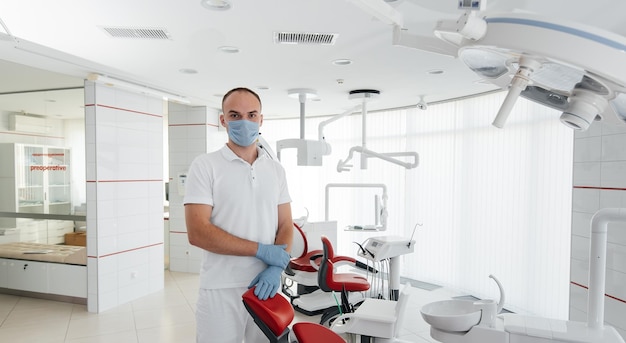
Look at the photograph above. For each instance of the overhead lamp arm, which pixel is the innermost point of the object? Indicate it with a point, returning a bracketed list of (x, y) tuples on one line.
[(7, 32), (320, 127), (343, 165)]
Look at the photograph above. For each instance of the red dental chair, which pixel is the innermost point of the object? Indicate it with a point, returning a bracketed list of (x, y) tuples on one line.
[(330, 280), (274, 315), (303, 269)]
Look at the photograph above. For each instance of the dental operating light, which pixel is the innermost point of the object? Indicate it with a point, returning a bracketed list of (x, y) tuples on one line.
[(576, 69)]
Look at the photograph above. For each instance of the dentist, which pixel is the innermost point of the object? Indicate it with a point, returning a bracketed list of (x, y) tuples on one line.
[(237, 209)]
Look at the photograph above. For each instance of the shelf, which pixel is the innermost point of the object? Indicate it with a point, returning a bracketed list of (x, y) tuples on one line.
[(31, 205)]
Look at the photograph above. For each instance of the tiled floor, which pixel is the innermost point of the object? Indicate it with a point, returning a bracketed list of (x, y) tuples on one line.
[(165, 316)]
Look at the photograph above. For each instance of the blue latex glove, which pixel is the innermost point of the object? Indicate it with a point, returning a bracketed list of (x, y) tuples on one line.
[(273, 255), (267, 282)]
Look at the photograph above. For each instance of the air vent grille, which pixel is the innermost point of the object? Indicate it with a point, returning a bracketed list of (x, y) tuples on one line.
[(137, 32), (305, 38)]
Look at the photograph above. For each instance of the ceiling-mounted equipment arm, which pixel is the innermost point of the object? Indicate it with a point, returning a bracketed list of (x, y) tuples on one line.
[(402, 37), (320, 127), (310, 152), (343, 165), (380, 10)]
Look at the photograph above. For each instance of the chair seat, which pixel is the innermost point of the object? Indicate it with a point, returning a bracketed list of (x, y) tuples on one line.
[(352, 282), (315, 333), (303, 263)]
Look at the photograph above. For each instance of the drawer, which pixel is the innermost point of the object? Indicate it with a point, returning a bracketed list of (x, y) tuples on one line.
[(56, 239), (59, 232), (28, 276), (60, 225)]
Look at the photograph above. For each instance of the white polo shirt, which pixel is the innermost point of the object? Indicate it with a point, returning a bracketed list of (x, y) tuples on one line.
[(245, 201)]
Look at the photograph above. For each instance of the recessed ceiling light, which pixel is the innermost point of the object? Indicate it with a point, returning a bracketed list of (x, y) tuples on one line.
[(229, 49), (216, 5), (435, 72), (342, 62), (263, 88), (188, 71)]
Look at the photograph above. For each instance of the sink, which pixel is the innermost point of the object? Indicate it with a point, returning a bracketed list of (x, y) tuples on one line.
[(451, 315)]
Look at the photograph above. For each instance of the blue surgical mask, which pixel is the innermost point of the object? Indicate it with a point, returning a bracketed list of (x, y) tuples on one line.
[(243, 132)]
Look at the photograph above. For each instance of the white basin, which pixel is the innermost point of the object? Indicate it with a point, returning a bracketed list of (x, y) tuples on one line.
[(451, 315)]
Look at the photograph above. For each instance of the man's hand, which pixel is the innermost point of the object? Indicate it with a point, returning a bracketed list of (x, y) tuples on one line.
[(273, 255), (267, 283)]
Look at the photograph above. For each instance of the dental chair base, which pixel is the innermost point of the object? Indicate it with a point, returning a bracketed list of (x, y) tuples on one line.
[(376, 320), (319, 301), (515, 328)]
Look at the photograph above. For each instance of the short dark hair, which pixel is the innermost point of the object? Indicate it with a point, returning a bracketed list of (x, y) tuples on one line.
[(241, 89)]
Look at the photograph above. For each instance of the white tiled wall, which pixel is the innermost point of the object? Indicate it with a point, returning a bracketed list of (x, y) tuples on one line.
[(599, 182), (192, 131), (124, 144)]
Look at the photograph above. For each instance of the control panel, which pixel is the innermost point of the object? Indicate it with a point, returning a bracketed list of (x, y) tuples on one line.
[(384, 247)]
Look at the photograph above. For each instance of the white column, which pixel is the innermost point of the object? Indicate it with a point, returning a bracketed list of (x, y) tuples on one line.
[(124, 157)]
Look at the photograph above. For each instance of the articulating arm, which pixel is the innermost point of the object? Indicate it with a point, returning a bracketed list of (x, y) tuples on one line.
[(344, 166)]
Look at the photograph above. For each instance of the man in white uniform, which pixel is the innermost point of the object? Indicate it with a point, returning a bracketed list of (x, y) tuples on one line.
[(237, 209)]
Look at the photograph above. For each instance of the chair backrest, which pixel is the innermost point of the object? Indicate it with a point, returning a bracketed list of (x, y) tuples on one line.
[(273, 315), (299, 245), (324, 274), (327, 247)]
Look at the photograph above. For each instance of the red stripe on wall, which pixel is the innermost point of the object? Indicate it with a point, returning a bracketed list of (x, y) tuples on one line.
[(148, 180), (126, 110), (205, 124), (29, 134), (125, 251), (601, 188), (607, 295)]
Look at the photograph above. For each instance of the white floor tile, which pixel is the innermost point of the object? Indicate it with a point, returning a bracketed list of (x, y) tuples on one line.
[(165, 316), (129, 336)]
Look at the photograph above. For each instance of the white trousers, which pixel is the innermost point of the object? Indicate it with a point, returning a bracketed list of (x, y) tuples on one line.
[(221, 317)]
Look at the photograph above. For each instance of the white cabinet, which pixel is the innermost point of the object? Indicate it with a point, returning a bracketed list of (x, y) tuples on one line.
[(184, 257), (66, 279), (44, 277), (35, 179), (56, 230), (4, 273)]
